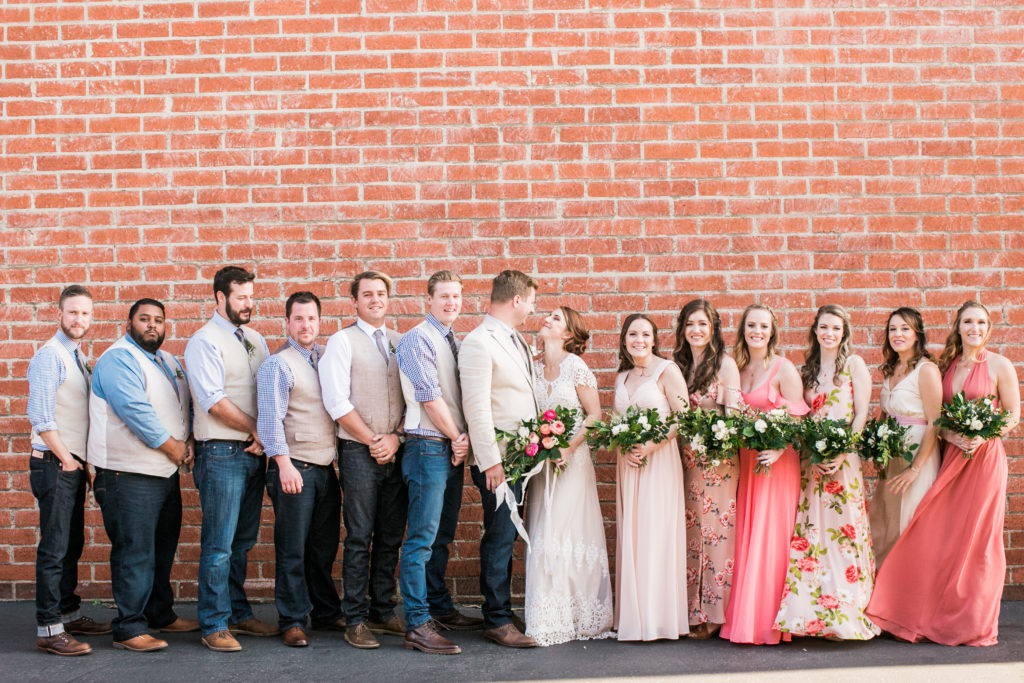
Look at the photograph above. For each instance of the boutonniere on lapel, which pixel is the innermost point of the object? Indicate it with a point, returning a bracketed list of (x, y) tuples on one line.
[(179, 374), (391, 348), (88, 366), (249, 348)]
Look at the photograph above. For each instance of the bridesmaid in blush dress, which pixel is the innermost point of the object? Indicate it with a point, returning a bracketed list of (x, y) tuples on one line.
[(650, 546), (714, 384), (944, 577), (912, 394), (766, 502)]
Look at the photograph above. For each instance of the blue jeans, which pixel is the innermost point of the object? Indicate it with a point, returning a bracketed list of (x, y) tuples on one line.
[(142, 517), (230, 484), (495, 555), (435, 496), (307, 527), (374, 509), (61, 497)]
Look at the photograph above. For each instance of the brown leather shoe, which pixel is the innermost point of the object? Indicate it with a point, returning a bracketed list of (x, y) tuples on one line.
[(518, 623), (221, 641), (254, 627), (180, 625), (141, 643), (62, 644), (85, 626), (361, 637), (336, 625), (457, 621), (425, 638), (509, 636), (295, 637), (393, 626)]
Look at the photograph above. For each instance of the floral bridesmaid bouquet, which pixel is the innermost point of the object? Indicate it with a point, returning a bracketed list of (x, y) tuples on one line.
[(625, 430), (823, 439), (713, 438), (973, 417), (766, 431), (535, 440), (883, 441)]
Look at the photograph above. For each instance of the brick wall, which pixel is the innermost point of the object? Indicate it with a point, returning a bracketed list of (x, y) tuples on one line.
[(632, 153)]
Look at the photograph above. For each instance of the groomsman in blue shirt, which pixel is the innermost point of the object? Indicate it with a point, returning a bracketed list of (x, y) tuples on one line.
[(140, 419), (297, 434), (58, 408)]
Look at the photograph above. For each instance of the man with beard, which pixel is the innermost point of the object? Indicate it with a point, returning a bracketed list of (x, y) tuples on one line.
[(58, 408), (363, 393), (298, 435), (222, 359), (140, 423)]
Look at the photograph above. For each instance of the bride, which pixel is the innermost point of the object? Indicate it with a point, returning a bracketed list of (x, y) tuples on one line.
[(568, 589)]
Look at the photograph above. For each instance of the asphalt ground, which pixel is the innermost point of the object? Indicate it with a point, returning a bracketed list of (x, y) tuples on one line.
[(330, 658)]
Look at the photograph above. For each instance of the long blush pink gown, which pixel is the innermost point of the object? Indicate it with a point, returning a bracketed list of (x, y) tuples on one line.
[(765, 515), (944, 576)]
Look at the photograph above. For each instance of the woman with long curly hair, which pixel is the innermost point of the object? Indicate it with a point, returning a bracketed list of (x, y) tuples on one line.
[(944, 577)]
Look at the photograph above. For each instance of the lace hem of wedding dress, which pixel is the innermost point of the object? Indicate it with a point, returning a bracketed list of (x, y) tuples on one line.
[(552, 620)]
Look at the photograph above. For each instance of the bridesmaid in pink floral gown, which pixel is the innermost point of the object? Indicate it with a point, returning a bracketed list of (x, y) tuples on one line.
[(944, 577), (766, 502), (714, 383), (831, 571)]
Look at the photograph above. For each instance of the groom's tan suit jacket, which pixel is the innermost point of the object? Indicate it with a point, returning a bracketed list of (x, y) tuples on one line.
[(497, 388)]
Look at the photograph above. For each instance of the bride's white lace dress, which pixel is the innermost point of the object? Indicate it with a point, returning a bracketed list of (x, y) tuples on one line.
[(568, 588)]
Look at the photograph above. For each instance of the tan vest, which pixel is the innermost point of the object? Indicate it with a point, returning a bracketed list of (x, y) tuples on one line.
[(415, 416), (112, 445), (308, 427), (71, 411), (375, 390), (239, 382)]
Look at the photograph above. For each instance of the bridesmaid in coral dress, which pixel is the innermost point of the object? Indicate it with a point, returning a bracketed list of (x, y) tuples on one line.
[(766, 502), (714, 383), (944, 577), (650, 546), (912, 394)]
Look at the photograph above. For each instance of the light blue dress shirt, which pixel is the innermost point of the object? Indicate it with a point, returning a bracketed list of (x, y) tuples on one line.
[(206, 366)]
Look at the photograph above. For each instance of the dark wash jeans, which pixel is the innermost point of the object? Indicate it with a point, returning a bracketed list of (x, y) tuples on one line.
[(374, 509), (435, 496), (142, 516), (495, 554), (61, 497), (307, 529), (230, 484)]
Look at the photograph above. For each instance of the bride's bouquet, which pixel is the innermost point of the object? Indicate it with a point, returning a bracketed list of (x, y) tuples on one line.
[(535, 440), (713, 438), (625, 430), (883, 441), (766, 431), (823, 439), (973, 417)]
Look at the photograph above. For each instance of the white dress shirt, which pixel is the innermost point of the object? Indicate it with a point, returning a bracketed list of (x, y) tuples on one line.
[(336, 370)]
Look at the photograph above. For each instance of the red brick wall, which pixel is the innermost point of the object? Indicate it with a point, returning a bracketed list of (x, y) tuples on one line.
[(631, 153)]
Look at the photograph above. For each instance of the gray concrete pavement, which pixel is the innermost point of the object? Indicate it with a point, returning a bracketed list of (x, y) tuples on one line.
[(329, 658)]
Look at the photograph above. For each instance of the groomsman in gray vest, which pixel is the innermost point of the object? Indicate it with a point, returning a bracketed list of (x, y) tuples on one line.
[(140, 415), (436, 447), (222, 358), (298, 436), (58, 408), (363, 393)]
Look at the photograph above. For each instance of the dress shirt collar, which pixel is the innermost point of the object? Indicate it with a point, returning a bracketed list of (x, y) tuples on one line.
[(370, 329), (304, 352), (438, 325), (66, 342), (220, 320), (508, 330), (136, 345)]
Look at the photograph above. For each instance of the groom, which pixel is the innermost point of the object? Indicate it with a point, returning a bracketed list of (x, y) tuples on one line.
[(497, 391)]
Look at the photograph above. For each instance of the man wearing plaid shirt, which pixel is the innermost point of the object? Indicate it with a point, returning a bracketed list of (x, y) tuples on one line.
[(297, 434), (435, 450)]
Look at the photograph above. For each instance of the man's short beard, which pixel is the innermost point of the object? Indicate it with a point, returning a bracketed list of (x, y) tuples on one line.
[(234, 314), (150, 346), (67, 333)]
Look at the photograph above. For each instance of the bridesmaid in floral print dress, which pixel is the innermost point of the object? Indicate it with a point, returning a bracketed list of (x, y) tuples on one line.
[(714, 381), (831, 568)]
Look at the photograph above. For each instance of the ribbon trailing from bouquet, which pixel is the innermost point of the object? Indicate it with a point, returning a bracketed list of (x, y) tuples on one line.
[(504, 494)]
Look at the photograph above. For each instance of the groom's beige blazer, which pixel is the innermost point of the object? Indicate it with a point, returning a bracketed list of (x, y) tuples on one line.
[(497, 388)]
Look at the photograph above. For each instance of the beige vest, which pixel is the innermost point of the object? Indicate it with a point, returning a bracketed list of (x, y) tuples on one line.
[(415, 416), (375, 390), (71, 411), (112, 445), (240, 370), (308, 427)]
